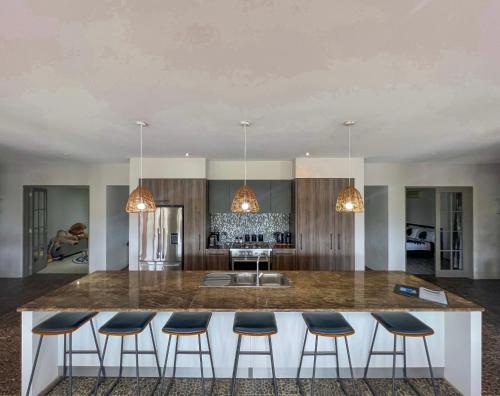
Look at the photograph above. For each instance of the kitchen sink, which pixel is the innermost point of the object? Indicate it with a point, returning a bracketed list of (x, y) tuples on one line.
[(244, 279)]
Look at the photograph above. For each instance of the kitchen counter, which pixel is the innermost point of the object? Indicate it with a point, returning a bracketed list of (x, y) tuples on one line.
[(179, 291), (455, 348)]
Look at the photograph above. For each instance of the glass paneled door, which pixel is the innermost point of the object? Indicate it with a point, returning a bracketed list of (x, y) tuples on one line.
[(454, 232), (37, 229)]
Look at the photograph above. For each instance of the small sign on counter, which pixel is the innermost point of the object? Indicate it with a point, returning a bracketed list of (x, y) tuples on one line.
[(437, 296)]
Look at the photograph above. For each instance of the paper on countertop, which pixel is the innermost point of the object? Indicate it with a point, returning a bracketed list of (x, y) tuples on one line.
[(437, 296)]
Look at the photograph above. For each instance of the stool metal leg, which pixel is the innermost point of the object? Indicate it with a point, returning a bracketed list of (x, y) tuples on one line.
[(302, 356), (103, 371), (435, 388), (175, 355), (350, 365), (201, 366), (137, 365), (275, 381), (70, 363), (165, 365), (404, 357), (371, 350), (64, 359), (154, 349), (101, 365), (337, 368), (121, 358), (394, 367), (314, 365), (210, 354), (34, 365), (235, 368)]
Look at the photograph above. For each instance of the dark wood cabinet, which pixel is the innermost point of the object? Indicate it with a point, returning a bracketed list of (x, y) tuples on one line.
[(219, 199), (284, 260), (274, 196), (217, 260), (191, 194), (324, 237), (281, 196)]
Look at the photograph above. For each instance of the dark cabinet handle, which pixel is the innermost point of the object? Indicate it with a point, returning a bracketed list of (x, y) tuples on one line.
[(338, 241), (331, 241), (199, 242), (300, 241)]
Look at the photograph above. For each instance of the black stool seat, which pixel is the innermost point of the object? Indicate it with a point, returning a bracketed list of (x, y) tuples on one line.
[(255, 323), (403, 324), (63, 323), (187, 323), (127, 323), (330, 324)]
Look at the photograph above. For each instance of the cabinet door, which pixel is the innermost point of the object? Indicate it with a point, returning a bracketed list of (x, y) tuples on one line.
[(195, 201), (304, 223), (217, 260), (166, 191), (218, 196), (284, 260), (281, 196), (343, 229), (262, 189), (323, 224)]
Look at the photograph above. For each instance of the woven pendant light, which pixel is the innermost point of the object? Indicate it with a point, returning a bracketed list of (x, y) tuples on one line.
[(245, 200), (140, 199), (349, 199)]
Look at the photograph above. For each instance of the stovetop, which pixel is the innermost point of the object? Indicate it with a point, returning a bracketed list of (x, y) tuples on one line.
[(250, 245)]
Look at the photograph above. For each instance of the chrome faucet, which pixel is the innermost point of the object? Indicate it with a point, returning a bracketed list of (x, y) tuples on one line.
[(259, 274)]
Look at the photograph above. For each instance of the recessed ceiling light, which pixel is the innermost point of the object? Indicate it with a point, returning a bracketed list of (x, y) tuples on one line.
[(308, 154), (186, 155)]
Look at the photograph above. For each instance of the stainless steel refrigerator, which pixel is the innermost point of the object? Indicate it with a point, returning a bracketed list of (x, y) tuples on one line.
[(161, 239)]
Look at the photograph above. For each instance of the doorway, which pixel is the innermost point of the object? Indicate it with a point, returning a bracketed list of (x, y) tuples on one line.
[(439, 231), (420, 231), (56, 237)]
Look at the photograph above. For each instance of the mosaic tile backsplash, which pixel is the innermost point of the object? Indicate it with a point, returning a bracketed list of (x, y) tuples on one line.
[(232, 225)]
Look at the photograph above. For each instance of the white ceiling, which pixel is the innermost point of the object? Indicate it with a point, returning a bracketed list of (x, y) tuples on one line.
[(421, 77)]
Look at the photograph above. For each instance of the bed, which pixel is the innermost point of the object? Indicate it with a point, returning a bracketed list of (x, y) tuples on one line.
[(420, 239)]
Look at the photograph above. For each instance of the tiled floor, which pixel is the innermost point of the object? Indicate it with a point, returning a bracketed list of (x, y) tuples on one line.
[(14, 292), (286, 387), (66, 266), (420, 265)]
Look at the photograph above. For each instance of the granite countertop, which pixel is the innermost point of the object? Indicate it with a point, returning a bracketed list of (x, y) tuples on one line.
[(179, 291)]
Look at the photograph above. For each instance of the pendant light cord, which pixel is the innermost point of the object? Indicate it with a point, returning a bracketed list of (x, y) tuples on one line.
[(349, 156), (245, 153), (140, 180)]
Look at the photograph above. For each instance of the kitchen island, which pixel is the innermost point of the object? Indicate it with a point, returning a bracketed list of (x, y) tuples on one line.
[(455, 347)]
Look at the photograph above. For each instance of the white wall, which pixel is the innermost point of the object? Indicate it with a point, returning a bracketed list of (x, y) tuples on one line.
[(15, 175), (485, 182), (65, 207), (256, 170), (421, 209), (116, 227), (339, 168), (376, 227)]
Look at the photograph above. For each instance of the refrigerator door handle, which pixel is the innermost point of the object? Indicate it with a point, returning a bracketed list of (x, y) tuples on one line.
[(164, 244)]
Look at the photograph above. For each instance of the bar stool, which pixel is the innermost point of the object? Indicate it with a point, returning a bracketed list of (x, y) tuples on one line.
[(129, 324), (326, 324), (65, 323), (187, 324), (254, 324), (405, 325)]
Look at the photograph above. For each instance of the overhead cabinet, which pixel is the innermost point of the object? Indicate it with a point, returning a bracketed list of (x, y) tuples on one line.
[(324, 237), (274, 196), (192, 195)]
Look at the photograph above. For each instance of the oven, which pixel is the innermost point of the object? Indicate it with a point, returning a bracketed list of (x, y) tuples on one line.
[(245, 259)]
